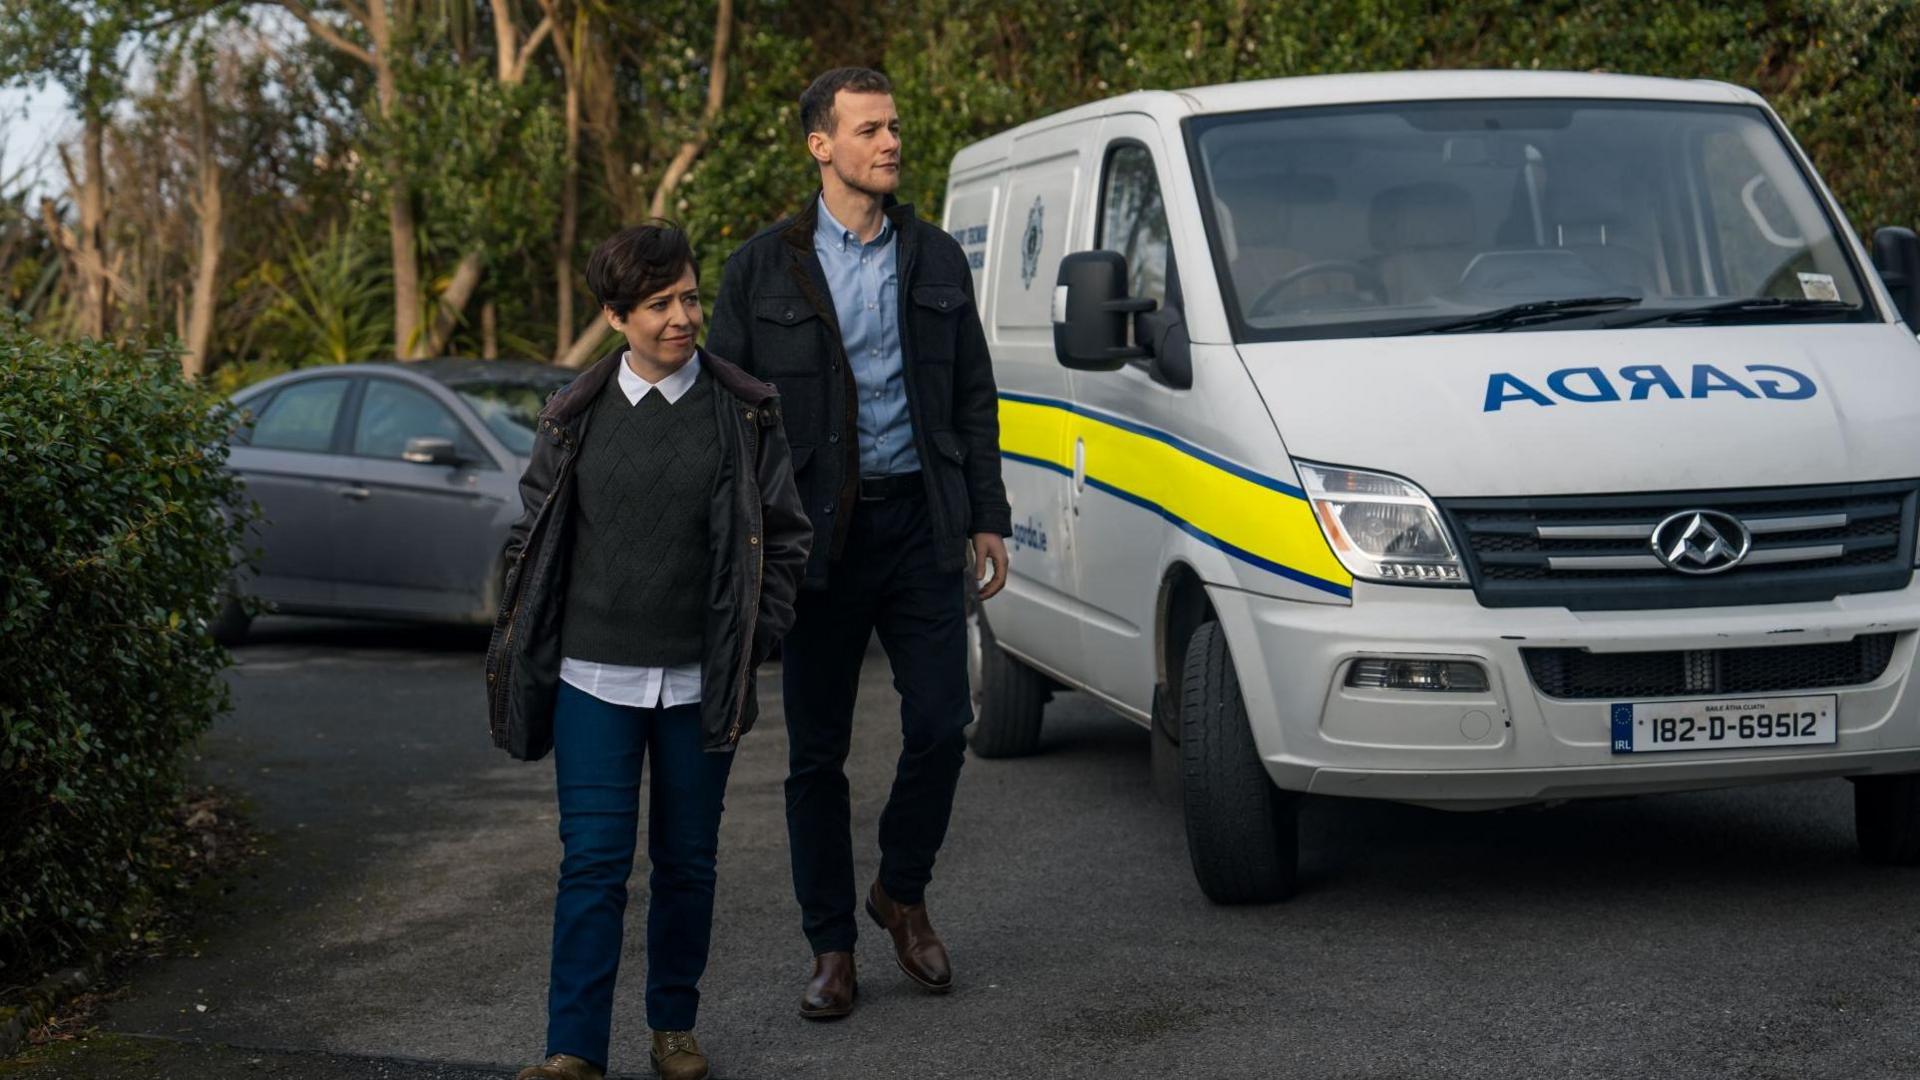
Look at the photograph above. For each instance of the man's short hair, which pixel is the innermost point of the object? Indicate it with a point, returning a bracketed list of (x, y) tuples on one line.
[(816, 101), (635, 263)]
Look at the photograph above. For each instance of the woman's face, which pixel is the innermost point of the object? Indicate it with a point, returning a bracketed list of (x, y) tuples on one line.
[(662, 327)]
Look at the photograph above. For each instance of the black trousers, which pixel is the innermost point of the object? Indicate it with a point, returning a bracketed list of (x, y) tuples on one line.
[(886, 581)]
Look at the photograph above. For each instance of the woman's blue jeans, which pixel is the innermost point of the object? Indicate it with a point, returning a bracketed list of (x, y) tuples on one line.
[(598, 750)]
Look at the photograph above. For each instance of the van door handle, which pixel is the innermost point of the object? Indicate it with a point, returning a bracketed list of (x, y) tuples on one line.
[(1079, 465), (357, 494)]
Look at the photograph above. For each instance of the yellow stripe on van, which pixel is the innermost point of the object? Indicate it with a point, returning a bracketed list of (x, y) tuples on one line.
[(1260, 520)]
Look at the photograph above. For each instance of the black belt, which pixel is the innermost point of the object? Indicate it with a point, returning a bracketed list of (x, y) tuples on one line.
[(900, 486)]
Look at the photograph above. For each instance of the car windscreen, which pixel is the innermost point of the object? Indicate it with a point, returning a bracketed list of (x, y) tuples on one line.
[(511, 410), (1385, 219)]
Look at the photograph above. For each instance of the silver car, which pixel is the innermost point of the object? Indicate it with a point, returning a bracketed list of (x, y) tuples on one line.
[(386, 489)]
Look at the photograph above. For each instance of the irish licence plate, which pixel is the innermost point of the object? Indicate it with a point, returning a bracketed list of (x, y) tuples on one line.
[(1650, 726)]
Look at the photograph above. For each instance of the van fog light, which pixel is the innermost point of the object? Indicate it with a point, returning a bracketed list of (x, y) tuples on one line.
[(1446, 676)]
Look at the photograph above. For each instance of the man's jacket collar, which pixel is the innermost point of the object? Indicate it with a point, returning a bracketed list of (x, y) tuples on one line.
[(800, 233)]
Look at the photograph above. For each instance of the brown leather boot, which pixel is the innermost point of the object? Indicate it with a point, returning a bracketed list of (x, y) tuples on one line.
[(561, 1067), (915, 945), (831, 991), (677, 1056)]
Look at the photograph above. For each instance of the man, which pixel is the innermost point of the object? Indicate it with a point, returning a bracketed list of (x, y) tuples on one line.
[(653, 568), (862, 315)]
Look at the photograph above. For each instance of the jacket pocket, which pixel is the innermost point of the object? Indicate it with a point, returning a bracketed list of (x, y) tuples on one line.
[(951, 480), (787, 336), (936, 321)]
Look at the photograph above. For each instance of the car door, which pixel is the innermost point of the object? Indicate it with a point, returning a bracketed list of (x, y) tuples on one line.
[(415, 539), (1123, 418), (288, 462)]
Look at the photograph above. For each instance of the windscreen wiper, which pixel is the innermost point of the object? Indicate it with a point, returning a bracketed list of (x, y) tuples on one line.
[(1750, 309), (1537, 311)]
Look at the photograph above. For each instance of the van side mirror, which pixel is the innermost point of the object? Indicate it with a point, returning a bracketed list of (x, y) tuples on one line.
[(1090, 330), (1896, 254), (428, 450)]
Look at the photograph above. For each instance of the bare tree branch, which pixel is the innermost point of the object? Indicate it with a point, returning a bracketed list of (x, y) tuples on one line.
[(327, 33), (716, 97), (453, 302), (594, 337), (532, 45)]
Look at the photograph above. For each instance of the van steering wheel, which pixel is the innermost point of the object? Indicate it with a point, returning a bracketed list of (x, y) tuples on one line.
[(1365, 278)]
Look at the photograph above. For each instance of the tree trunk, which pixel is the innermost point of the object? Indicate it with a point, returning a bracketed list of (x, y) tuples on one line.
[(569, 190), (402, 233), (208, 207), (92, 239), (489, 331)]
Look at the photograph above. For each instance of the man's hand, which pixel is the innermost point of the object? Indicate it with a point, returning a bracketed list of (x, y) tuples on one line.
[(989, 546)]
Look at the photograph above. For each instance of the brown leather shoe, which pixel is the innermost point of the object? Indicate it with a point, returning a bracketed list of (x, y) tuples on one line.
[(915, 945), (677, 1056), (831, 991), (561, 1067)]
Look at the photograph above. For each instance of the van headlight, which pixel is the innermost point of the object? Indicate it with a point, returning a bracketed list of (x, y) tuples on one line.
[(1381, 527)]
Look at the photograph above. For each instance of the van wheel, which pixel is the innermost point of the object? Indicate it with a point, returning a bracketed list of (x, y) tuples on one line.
[(229, 628), (1242, 831), (1886, 818), (1008, 696)]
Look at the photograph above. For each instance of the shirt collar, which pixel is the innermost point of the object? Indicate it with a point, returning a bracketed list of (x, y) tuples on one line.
[(671, 387), (830, 233)]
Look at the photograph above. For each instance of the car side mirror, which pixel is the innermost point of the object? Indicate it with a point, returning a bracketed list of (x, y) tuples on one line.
[(1896, 254), (431, 450), (1092, 310)]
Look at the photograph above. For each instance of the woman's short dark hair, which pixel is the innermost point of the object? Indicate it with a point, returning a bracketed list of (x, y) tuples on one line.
[(816, 101), (635, 263)]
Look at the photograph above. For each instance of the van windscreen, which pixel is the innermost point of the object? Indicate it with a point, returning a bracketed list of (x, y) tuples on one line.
[(1407, 217)]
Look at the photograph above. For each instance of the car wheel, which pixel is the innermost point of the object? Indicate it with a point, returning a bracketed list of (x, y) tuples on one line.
[(1008, 696), (1886, 818), (1242, 831), (229, 628)]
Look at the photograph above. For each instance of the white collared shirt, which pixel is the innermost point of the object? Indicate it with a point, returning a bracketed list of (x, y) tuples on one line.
[(624, 684)]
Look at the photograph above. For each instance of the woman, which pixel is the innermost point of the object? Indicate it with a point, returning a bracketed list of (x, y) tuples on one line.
[(652, 570)]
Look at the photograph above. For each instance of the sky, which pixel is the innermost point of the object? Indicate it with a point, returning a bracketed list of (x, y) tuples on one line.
[(33, 121)]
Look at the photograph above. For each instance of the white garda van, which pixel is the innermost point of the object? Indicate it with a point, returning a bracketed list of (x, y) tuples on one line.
[(1463, 439)]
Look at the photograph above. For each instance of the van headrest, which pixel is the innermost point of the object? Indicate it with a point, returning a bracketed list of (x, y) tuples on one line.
[(1425, 215)]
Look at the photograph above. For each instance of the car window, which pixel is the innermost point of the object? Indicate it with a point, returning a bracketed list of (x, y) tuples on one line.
[(510, 410), (1133, 219), (300, 417), (391, 412)]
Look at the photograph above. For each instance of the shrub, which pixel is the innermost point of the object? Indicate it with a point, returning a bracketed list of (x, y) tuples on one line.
[(119, 531)]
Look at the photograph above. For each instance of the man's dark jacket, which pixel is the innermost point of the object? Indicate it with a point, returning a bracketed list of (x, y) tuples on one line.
[(775, 317), (759, 538)]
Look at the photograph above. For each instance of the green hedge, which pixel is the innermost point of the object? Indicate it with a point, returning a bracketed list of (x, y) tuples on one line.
[(119, 530)]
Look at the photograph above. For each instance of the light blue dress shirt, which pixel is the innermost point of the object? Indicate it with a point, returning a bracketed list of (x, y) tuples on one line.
[(865, 282)]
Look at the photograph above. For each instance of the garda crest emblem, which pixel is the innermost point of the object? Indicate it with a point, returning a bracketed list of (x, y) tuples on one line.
[(1030, 243)]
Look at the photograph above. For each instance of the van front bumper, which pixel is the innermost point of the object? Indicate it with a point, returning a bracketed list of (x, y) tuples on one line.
[(1513, 744)]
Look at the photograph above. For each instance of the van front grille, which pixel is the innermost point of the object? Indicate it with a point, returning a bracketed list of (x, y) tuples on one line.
[(1580, 674), (1594, 552)]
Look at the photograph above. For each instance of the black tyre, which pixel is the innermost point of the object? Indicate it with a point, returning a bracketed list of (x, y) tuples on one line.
[(229, 628), (1886, 819), (1008, 696), (1242, 831)]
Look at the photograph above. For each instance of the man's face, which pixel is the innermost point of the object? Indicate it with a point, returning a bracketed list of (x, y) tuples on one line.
[(662, 327), (863, 149)]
